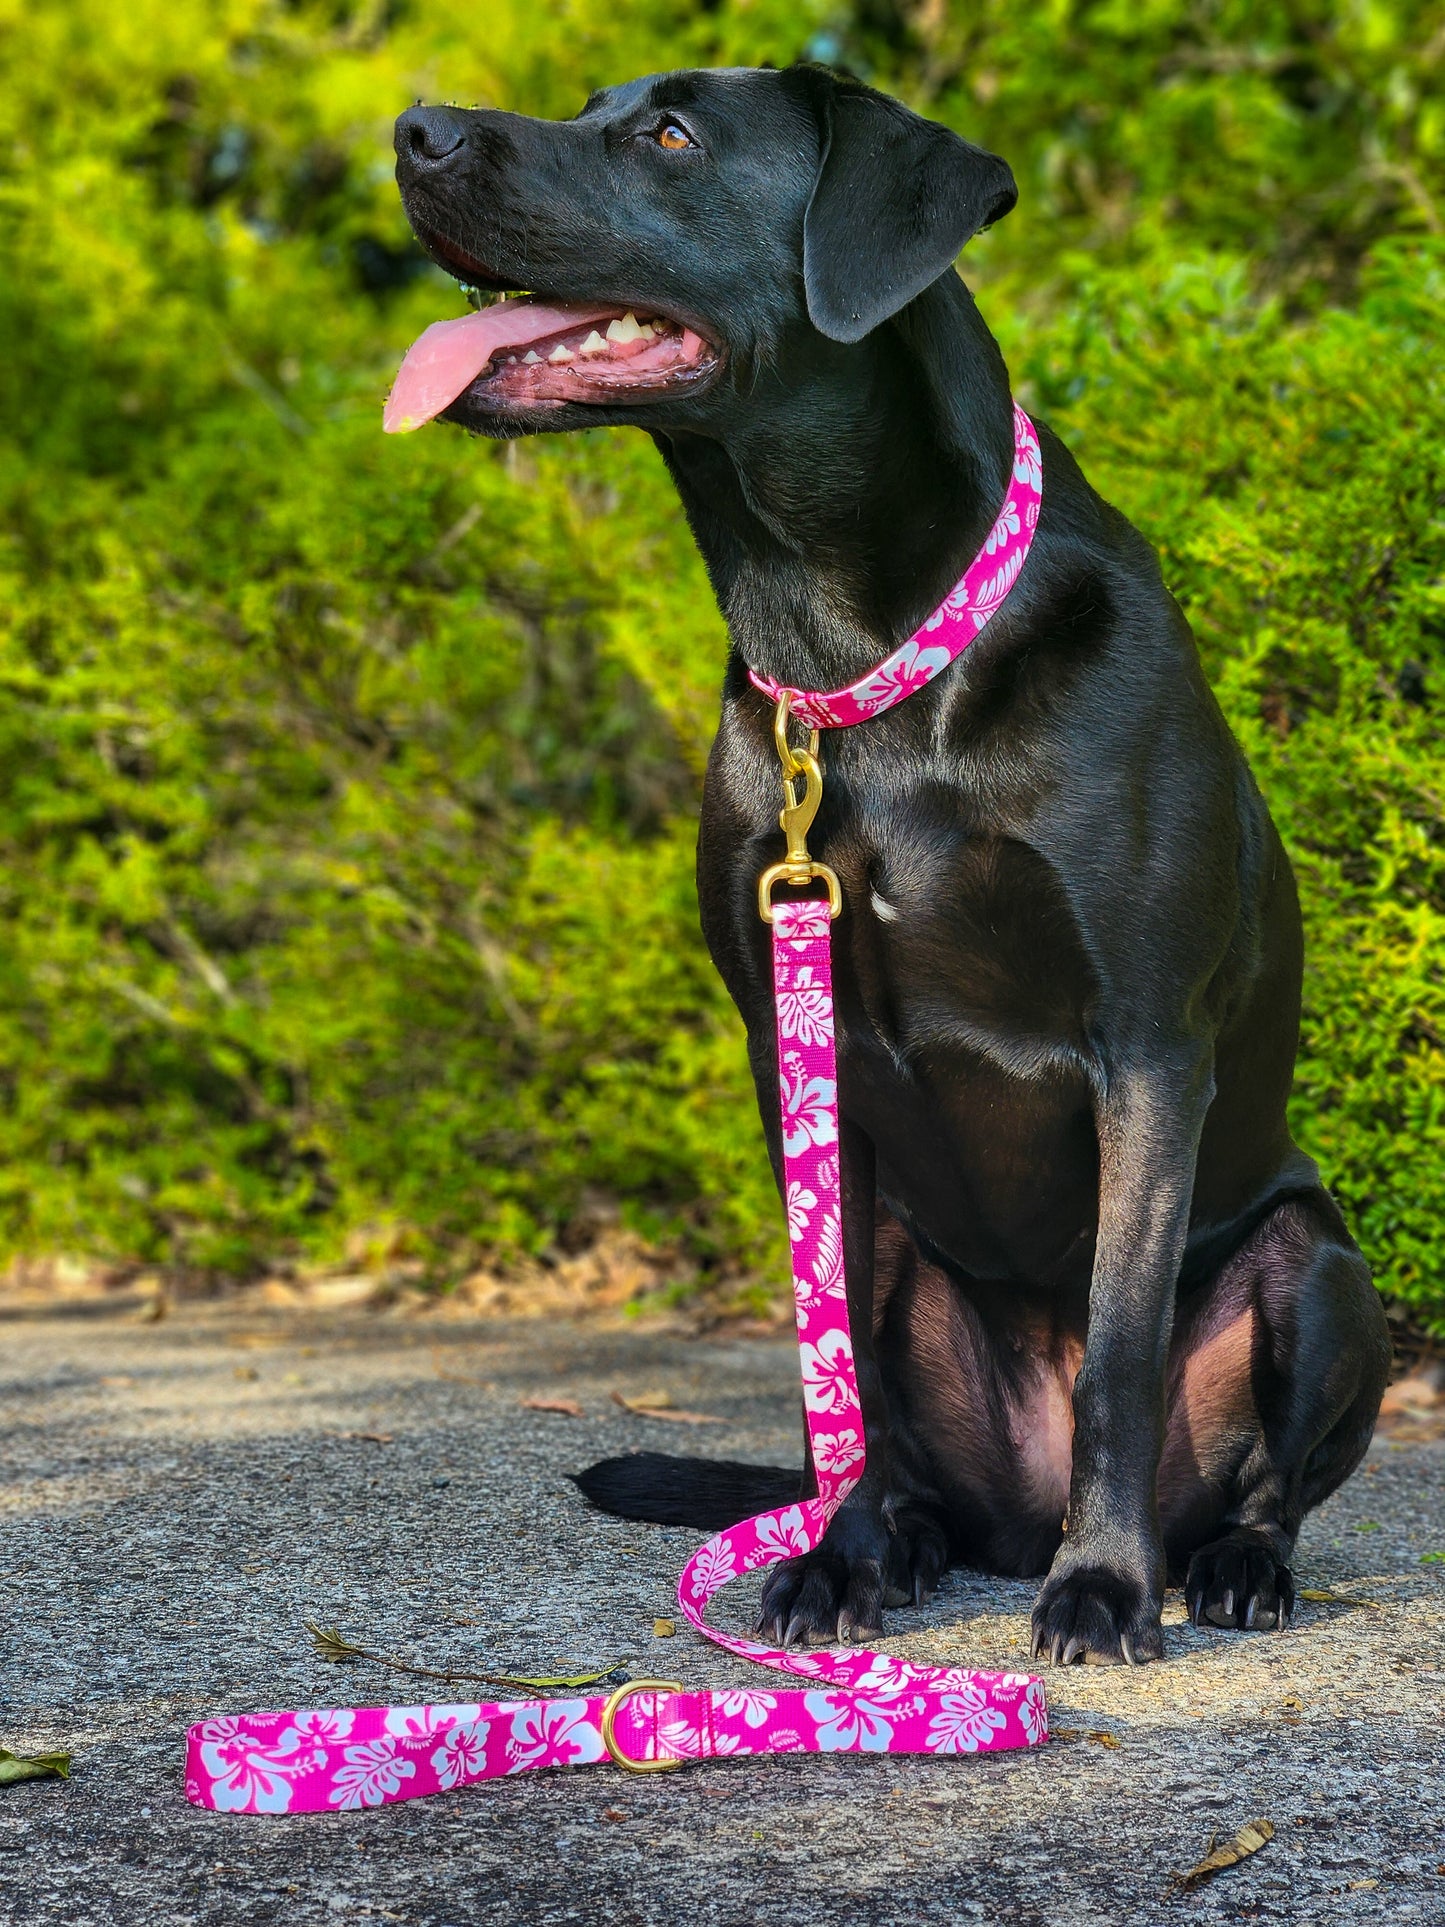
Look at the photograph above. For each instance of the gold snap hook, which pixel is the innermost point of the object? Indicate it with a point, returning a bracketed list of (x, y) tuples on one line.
[(802, 793), (790, 758)]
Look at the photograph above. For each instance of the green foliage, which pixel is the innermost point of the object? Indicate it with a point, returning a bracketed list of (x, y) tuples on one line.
[(1294, 479), (346, 811)]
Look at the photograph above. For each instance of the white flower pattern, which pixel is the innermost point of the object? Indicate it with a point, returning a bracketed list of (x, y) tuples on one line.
[(828, 1381), (805, 1013), (849, 1721), (783, 1537), (372, 1772), (462, 1754), (712, 1567), (963, 1723), (553, 1733), (810, 1109), (753, 1708), (422, 1722), (801, 1201), (837, 1452)]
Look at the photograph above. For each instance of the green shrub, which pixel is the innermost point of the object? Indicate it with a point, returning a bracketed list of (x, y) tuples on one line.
[(347, 784)]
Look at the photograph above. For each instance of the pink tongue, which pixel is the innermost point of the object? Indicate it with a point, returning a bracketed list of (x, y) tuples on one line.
[(451, 354)]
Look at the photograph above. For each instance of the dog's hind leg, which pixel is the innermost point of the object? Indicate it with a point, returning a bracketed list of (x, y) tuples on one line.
[(1277, 1386)]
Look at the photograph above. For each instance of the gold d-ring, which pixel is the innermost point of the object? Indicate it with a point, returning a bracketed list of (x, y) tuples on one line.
[(609, 1721)]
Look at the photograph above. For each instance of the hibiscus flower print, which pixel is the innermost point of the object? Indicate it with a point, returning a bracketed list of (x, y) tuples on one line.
[(810, 1665), (422, 1722), (810, 1109), (906, 669), (312, 1732), (886, 1676), (553, 1733), (829, 1384), (837, 1452), (963, 1723), (1032, 1712), (1028, 461), (805, 1012), (1004, 529), (784, 1536), (462, 1755), (370, 1774), (805, 921), (801, 1201), (752, 1708), (848, 1722)]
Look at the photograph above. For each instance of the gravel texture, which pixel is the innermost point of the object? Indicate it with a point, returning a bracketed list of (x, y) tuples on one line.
[(176, 1498)]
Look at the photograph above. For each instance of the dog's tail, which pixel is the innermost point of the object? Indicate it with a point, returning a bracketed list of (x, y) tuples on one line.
[(669, 1491)]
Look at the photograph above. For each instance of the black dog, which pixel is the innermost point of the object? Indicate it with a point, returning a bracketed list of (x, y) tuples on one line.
[(1109, 1323)]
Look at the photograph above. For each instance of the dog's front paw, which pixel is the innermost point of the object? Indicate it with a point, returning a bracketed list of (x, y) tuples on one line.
[(836, 1595), (1240, 1582), (1097, 1614)]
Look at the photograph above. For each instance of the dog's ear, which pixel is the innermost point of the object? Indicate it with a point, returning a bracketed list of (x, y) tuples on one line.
[(895, 199)]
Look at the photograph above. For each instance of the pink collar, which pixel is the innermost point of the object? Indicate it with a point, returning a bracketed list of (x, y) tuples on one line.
[(957, 620)]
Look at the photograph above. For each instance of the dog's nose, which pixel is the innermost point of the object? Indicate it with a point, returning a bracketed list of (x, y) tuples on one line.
[(429, 137)]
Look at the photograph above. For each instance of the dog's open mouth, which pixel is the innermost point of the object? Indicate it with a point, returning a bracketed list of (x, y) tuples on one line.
[(531, 352)]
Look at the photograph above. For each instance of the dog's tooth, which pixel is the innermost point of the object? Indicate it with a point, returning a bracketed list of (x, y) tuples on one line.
[(593, 345), (625, 329), (559, 353), (531, 356)]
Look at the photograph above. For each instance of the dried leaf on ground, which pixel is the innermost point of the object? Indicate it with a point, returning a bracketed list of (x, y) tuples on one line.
[(1321, 1598), (1105, 1739), (568, 1407), (1228, 1853), (551, 1683), (333, 1646), (15, 1767), (659, 1405), (664, 1628)]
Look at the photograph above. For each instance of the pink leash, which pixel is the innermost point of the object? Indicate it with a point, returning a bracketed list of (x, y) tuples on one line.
[(853, 1701)]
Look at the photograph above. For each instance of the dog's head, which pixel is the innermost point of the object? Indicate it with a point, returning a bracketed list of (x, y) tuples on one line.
[(683, 231)]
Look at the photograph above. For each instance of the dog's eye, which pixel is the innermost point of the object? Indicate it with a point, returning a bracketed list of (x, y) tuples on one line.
[(673, 136)]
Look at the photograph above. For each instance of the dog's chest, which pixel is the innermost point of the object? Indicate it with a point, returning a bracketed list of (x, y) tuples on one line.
[(964, 995)]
